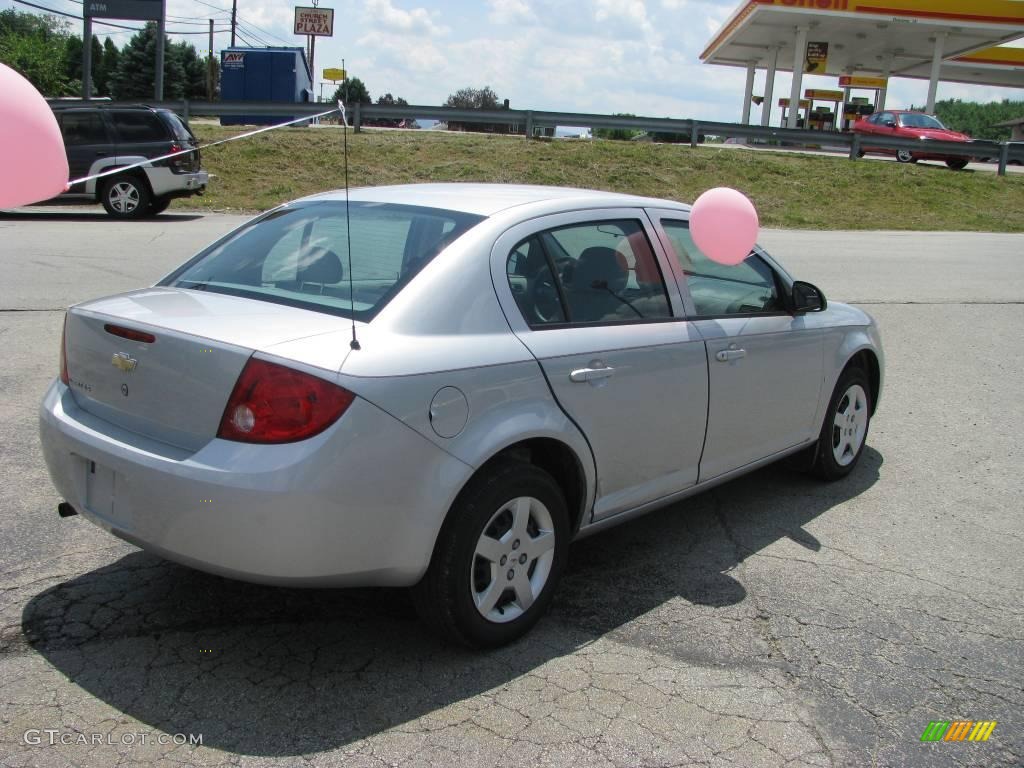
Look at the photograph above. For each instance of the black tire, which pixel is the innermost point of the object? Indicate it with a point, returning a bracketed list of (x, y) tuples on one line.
[(957, 163), (159, 205), (126, 197), (826, 466), (444, 596), (861, 153), (905, 156)]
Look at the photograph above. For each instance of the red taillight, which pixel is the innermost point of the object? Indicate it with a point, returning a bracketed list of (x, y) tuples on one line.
[(274, 404), (130, 333), (64, 354)]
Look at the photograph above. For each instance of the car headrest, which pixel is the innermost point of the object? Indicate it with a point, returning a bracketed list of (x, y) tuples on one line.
[(600, 265), (319, 265)]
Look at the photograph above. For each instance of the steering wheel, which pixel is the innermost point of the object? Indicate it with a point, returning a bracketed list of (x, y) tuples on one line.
[(547, 306), (754, 302)]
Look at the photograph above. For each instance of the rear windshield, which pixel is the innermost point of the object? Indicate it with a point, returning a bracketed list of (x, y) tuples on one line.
[(180, 130), (299, 255)]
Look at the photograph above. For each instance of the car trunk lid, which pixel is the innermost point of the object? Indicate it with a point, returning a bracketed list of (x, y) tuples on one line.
[(162, 361)]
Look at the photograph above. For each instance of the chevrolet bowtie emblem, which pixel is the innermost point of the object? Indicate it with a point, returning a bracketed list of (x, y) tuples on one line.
[(123, 362)]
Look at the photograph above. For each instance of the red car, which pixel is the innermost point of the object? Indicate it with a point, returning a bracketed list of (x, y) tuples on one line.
[(911, 125)]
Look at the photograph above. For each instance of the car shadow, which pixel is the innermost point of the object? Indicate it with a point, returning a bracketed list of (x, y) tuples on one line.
[(283, 672)]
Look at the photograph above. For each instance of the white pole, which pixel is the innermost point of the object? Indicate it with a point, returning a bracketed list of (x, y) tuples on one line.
[(769, 87), (799, 57), (748, 92), (933, 82)]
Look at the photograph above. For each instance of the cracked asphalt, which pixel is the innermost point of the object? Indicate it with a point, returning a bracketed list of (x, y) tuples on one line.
[(772, 621)]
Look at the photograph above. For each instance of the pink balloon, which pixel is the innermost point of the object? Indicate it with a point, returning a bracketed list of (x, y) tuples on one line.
[(723, 223), (34, 165)]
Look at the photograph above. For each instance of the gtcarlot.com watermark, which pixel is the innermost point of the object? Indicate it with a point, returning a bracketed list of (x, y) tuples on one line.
[(38, 737)]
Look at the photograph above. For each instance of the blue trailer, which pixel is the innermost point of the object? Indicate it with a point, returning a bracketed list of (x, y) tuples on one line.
[(264, 74)]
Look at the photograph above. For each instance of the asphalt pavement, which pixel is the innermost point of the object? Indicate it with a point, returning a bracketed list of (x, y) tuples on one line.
[(772, 621)]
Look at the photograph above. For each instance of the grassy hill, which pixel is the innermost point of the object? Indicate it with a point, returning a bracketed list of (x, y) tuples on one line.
[(789, 190)]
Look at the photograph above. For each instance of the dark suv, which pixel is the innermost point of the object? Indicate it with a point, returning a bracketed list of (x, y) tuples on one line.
[(101, 138)]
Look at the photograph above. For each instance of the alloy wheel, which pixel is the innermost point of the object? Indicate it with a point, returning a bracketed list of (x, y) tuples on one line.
[(512, 559)]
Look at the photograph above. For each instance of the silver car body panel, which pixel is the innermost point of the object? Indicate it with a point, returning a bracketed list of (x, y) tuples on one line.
[(439, 393)]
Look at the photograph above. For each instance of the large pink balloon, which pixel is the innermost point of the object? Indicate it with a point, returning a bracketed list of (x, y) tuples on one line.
[(33, 166), (723, 223)]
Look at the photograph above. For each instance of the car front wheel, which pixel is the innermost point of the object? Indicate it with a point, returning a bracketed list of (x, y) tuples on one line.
[(498, 558), (905, 156), (845, 431), (126, 197)]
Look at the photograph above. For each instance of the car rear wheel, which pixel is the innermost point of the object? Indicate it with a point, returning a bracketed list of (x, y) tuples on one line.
[(956, 163), (905, 156), (498, 558), (845, 431), (126, 197)]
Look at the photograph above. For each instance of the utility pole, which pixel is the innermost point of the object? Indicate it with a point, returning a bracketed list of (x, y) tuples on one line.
[(234, 20), (312, 50), (209, 66), (87, 58), (161, 36)]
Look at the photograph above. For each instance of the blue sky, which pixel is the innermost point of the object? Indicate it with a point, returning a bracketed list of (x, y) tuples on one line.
[(583, 56)]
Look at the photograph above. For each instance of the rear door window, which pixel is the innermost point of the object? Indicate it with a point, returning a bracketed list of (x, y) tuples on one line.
[(139, 127), (82, 128), (595, 272)]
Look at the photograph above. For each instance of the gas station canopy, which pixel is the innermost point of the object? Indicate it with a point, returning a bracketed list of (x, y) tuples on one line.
[(955, 40), (880, 37)]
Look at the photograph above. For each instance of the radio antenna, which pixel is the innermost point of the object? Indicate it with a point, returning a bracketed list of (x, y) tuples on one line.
[(354, 344)]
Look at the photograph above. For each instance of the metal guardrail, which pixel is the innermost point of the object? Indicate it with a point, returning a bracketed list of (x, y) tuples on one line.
[(528, 121)]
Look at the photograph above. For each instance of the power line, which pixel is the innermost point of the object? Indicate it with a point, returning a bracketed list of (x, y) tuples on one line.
[(249, 23), (109, 24)]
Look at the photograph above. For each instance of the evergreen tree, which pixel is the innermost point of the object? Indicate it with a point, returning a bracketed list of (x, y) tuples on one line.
[(111, 58), (357, 92), (193, 69), (136, 70)]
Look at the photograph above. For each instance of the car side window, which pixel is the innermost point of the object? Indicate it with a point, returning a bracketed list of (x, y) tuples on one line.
[(82, 128), (718, 290), (139, 126), (596, 272)]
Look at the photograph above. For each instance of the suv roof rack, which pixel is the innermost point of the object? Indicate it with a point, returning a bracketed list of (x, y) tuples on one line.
[(80, 104)]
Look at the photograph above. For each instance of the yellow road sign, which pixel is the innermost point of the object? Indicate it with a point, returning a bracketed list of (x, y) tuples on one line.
[(334, 74)]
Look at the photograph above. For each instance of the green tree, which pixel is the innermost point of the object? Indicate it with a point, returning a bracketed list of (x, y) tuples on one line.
[(357, 92), (473, 98), (136, 70), (978, 120), (193, 69), (101, 74), (617, 134), (387, 100), (35, 46)]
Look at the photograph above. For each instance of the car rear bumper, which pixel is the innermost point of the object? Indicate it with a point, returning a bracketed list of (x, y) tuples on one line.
[(358, 505), (165, 182)]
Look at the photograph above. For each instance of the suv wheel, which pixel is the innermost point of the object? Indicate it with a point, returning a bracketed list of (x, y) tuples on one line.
[(126, 197), (498, 557), (159, 205)]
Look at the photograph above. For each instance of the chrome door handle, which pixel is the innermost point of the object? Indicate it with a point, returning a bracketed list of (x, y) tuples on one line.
[(726, 355), (591, 374)]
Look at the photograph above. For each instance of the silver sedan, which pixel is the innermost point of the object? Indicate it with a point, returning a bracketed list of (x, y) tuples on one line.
[(442, 385)]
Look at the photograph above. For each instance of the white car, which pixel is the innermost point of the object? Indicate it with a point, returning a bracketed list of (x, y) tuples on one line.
[(489, 373)]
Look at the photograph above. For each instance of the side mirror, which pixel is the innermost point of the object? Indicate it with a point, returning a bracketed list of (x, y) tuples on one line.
[(807, 298), (890, 123)]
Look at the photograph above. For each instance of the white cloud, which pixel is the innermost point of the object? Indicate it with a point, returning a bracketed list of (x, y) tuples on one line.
[(511, 12), (383, 14)]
